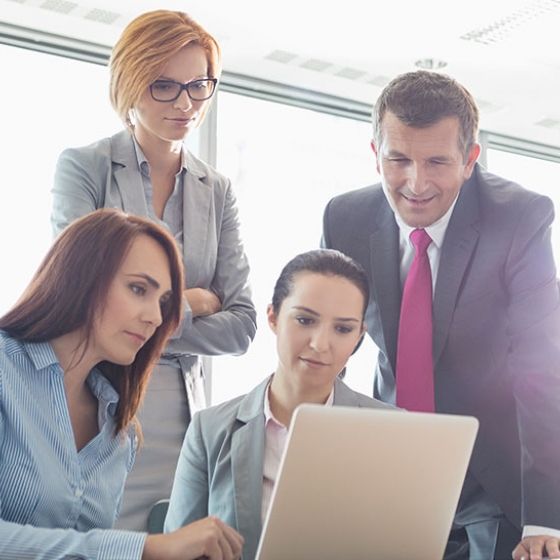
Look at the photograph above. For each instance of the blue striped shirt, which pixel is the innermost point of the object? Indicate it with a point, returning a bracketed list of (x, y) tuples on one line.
[(172, 218), (56, 502)]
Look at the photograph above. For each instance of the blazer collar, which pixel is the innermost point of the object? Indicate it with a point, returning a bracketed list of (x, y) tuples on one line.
[(194, 165), (343, 395), (199, 222), (197, 201), (252, 405), (126, 174), (384, 271)]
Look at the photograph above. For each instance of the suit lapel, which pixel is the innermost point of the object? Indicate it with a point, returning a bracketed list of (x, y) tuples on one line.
[(386, 285), (126, 174), (247, 458), (197, 220), (459, 244), (197, 199), (343, 395)]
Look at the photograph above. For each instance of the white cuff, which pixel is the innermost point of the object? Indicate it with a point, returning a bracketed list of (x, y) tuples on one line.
[(534, 530)]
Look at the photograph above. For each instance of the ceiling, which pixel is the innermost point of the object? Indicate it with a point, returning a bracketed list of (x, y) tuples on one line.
[(507, 52)]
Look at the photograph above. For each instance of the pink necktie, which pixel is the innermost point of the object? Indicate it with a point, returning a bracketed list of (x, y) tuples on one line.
[(415, 368)]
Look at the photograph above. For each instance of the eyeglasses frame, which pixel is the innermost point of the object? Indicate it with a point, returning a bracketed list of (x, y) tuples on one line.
[(185, 87)]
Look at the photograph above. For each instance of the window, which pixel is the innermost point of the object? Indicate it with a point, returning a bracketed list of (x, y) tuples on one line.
[(285, 163), (48, 103)]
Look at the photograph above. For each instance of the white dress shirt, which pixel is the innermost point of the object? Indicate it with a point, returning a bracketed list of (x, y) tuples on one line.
[(275, 441), (436, 231)]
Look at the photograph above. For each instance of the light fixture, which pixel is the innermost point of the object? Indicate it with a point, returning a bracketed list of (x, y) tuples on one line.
[(430, 63)]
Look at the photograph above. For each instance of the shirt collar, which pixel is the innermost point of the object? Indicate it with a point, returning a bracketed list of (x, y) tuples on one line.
[(144, 164), (269, 417), (42, 356), (436, 231), (102, 388)]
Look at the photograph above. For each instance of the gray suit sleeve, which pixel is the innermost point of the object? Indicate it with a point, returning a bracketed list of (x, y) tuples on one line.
[(76, 190), (189, 496), (231, 330), (534, 360), (325, 242)]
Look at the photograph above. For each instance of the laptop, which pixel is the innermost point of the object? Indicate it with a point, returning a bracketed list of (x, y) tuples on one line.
[(367, 484)]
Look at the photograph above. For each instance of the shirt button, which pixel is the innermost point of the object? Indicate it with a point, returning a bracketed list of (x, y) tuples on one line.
[(78, 493)]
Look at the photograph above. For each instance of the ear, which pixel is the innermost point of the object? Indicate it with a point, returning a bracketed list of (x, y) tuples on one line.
[(374, 149), (272, 319), (131, 117), (472, 156)]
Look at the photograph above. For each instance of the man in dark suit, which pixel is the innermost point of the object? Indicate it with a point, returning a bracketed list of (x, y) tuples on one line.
[(489, 345)]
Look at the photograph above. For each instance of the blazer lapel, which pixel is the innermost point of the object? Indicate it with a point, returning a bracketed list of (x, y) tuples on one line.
[(386, 285), (459, 244), (247, 458), (198, 224), (343, 395), (127, 175)]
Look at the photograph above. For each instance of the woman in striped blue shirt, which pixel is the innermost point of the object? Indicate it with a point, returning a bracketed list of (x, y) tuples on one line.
[(76, 353)]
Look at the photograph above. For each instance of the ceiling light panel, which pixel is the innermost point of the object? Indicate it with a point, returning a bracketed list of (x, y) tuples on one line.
[(60, 6), (281, 56), (102, 16), (504, 27), (350, 73), (315, 64), (549, 122)]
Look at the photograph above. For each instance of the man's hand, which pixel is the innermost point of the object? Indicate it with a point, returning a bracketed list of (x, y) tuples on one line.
[(536, 548)]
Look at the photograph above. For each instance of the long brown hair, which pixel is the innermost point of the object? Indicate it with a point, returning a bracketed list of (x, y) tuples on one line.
[(70, 288)]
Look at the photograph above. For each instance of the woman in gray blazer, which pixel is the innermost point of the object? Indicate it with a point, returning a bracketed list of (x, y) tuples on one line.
[(164, 70), (230, 457)]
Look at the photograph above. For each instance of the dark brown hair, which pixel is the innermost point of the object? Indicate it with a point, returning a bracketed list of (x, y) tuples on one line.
[(420, 99), (70, 287), (328, 262)]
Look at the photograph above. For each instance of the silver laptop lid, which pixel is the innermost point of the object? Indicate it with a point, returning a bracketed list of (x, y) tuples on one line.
[(359, 483)]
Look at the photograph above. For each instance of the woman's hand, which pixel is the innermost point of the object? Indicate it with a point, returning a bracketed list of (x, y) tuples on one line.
[(207, 538), (202, 302)]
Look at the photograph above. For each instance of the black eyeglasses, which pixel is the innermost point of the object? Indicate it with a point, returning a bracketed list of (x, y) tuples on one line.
[(170, 90)]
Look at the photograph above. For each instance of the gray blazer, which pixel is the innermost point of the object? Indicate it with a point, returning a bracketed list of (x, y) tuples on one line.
[(106, 174), (496, 341), (220, 469)]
